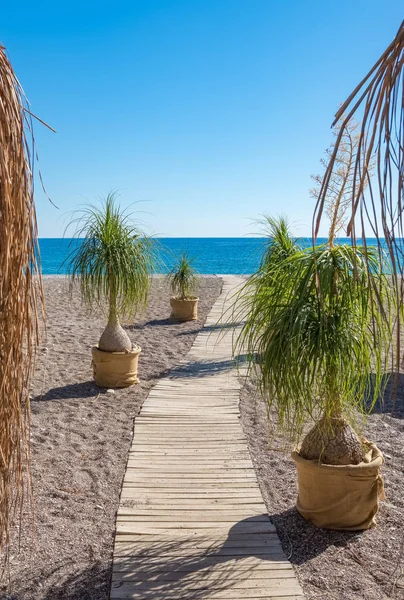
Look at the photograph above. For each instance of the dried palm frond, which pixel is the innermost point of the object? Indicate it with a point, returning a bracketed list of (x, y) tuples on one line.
[(342, 180), (20, 294), (376, 206)]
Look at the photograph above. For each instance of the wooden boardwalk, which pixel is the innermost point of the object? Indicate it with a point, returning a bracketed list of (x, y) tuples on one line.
[(191, 522)]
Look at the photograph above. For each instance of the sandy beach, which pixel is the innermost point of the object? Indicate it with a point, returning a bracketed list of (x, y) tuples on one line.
[(80, 437)]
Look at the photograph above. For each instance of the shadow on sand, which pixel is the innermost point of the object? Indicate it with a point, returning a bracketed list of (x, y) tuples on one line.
[(185, 565), (302, 541), (151, 323), (206, 368), (84, 389), (392, 401)]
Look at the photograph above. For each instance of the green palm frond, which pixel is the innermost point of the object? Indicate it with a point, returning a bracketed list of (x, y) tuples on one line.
[(114, 261), (183, 277), (309, 329)]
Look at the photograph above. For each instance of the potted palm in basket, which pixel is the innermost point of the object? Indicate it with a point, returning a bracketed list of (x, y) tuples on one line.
[(113, 265), (318, 347), (183, 281)]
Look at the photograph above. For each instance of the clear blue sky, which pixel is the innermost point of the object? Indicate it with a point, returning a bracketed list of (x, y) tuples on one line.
[(212, 111)]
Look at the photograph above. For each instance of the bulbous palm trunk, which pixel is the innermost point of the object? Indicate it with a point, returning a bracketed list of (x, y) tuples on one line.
[(332, 442), (114, 338)]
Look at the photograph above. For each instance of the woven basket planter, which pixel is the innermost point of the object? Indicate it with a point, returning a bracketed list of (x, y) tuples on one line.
[(115, 369), (344, 497), (184, 310)]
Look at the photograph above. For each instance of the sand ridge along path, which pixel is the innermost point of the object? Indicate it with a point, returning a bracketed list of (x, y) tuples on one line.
[(191, 522)]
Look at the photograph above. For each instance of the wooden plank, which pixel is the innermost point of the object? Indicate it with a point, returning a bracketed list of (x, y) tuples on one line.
[(207, 503), (205, 574), (182, 416), (167, 456), (251, 588), (220, 439), (205, 491), (157, 495), (180, 542), (137, 492), (177, 413), (173, 458), (190, 432), (192, 483), (191, 442), (187, 517), (192, 504), (193, 439), (168, 437), (195, 478), (195, 510), (188, 465), (179, 536), (235, 595), (194, 396), (194, 469), (159, 554), (161, 551), (171, 426), (213, 462), (190, 410), (206, 577), (180, 453), (133, 551), (255, 562), (200, 487), (145, 527)]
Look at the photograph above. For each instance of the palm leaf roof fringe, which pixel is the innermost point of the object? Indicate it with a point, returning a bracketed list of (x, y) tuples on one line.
[(21, 295), (376, 207)]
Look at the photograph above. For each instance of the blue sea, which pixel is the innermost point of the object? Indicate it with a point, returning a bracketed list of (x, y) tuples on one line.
[(236, 256)]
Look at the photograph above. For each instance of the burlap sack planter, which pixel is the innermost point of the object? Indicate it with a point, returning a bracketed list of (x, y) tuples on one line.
[(340, 497), (184, 310), (115, 369)]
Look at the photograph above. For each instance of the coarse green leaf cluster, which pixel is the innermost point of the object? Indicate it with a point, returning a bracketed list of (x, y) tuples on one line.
[(115, 259), (311, 328), (183, 278)]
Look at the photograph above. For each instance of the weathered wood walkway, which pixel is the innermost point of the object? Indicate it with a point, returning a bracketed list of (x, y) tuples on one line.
[(191, 522)]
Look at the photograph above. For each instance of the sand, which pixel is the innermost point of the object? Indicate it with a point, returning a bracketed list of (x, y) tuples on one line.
[(80, 439)]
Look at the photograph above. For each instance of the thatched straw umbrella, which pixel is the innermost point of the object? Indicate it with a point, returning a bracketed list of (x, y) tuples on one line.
[(20, 294), (377, 203)]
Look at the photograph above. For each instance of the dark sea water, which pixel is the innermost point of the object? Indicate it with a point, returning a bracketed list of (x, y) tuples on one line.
[(236, 256)]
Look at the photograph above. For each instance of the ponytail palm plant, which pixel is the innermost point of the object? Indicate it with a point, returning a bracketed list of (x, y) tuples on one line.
[(314, 340), (112, 264), (183, 278)]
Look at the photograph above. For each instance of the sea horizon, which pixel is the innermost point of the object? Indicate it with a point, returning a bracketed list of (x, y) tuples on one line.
[(213, 255)]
